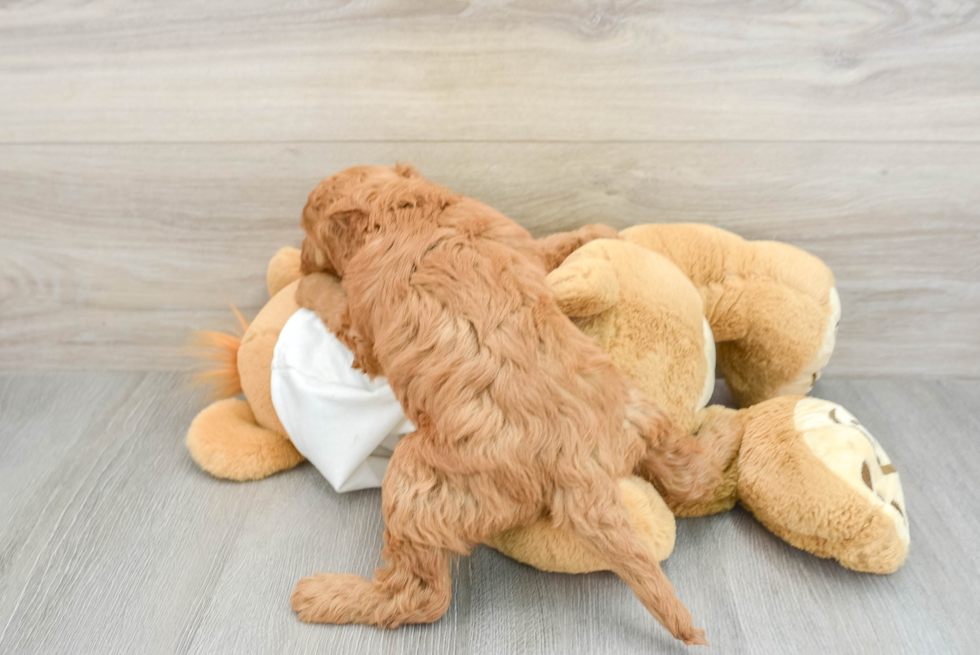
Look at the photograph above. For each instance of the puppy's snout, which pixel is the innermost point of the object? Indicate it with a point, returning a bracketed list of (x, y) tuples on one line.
[(314, 260)]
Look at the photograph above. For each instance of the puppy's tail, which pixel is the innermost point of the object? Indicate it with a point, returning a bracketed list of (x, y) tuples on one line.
[(217, 355), (680, 466)]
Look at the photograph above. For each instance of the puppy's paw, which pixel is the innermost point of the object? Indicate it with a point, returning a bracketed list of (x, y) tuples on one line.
[(306, 598), (327, 598)]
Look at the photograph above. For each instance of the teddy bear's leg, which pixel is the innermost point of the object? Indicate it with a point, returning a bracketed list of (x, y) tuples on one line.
[(804, 381), (772, 307), (283, 270), (811, 473), (550, 548), (787, 341), (225, 440), (720, 430)]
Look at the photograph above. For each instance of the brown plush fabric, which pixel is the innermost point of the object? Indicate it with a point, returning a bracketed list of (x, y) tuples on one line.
[(255, 355), (225, 440), (634, 302), (797, 497), (283, 269), (767, 302), (645, 314), (240, 440)]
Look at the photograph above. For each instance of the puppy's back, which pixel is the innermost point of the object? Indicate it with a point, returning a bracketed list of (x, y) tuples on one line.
[(471, 339)]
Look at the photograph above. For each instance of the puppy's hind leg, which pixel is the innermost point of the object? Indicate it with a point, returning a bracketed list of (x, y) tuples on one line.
[(414, 587), (416, 584), (597, 515)]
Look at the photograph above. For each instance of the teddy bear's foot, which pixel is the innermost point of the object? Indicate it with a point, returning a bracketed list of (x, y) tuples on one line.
[(783, 352), (803, 383), (812, 474), (225, 440)]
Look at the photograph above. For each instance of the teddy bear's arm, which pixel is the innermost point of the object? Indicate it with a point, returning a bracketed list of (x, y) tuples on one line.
[(585, 286), (283, 270), (772, 307), (553, 249)]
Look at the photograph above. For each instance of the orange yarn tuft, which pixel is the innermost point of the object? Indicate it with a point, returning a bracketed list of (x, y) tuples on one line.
[(218, 356)]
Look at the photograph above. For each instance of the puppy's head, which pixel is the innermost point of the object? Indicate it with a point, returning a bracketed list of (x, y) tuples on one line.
[(337, 217)]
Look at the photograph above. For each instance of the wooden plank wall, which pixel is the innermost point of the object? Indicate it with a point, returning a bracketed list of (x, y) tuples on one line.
[(153, 156)]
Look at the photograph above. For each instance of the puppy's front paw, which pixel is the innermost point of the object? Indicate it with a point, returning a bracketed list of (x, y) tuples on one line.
[(328, 598), (312, 598)]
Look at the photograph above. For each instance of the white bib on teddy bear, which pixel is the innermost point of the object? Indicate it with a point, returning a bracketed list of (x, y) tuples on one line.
[(343, 422)]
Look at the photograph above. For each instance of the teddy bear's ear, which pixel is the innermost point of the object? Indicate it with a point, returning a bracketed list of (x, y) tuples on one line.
[(584, 286)]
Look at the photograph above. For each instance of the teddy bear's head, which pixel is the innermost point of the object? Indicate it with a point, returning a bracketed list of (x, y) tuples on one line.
[(647, 316)]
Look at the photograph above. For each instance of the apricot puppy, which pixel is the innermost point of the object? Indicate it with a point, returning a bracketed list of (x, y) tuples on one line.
[(518, 415)]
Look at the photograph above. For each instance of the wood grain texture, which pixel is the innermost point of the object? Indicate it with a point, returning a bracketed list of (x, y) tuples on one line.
[(111, 254), (112, 541), (474, 70)]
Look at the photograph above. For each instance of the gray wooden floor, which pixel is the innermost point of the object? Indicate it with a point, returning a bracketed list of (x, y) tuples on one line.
[(112, 541)]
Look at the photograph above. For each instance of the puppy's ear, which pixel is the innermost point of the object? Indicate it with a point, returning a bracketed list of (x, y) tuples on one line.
[(344, 223), (334, 234), (584, 286)]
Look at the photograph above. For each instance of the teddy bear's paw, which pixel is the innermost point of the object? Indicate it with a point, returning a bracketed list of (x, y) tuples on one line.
[(846, 447), (803, 383)]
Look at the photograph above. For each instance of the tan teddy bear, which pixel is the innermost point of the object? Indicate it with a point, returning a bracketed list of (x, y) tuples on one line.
[(805, 467)]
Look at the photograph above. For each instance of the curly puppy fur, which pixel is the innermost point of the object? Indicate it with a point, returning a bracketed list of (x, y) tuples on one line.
[(519, 415)]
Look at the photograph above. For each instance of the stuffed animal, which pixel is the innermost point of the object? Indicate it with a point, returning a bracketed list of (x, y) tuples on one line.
[(805, 467), (773, 308)]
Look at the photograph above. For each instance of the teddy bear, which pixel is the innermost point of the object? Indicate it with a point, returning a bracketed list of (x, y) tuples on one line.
[(655, 300)]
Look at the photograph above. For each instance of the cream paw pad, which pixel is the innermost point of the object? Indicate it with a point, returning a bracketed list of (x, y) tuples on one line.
[(839, 440), (846, 447), (811, 473)]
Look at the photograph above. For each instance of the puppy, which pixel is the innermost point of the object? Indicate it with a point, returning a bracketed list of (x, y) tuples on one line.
[(518, 415)]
